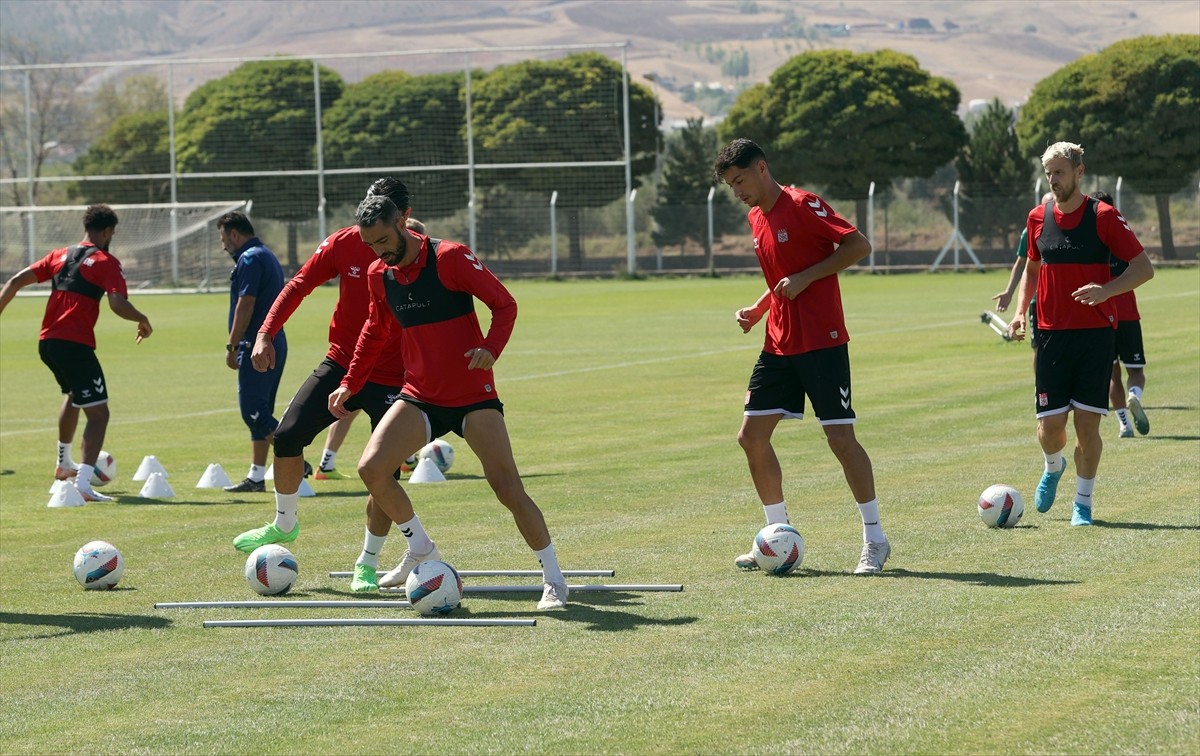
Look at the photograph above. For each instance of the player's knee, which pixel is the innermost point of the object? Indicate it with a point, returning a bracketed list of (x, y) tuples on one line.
[(288, 443)]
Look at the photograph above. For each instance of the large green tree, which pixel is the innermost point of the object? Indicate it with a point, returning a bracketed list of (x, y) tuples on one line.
[(995, 177), (841, 120), (563, 111), (681, 211), (134, 143), (395, 119), (1135, 107), (259, 117)]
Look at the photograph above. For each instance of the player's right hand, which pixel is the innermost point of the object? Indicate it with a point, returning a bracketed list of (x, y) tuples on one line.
[(263, 356), (337, 401), (1016, 328), (747, 317)]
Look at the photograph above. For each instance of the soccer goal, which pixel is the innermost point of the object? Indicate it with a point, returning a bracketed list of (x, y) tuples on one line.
[(160, 246)]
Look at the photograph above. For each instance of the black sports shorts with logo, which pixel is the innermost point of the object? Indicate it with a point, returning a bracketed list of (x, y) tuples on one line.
[(779, 384)]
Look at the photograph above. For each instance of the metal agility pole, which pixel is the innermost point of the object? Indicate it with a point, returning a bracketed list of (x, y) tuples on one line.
[(337, 622), (510, 573), (469, 589), (287, 604)]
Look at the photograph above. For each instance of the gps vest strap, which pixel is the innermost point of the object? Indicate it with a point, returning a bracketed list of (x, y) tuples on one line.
[(426, 300), (70, 278), (1080, 245)]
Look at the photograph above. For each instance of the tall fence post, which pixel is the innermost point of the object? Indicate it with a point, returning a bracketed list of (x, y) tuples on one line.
[(871, 223), (1117, 198), (629, 190), (320, 152), (470, 156), (712, 263), (29, 222), (632, 246), (554, 233), (174, 175)]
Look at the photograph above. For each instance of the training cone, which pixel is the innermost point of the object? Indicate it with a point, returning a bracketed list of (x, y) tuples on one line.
[(214, 477), (270, 472), (305, 489), (65, 494), (157, 487), (426, 472), (149, 466)]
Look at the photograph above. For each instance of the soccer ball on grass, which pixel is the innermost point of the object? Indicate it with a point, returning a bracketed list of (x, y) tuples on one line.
[(105, 469), (434, 588), (1001, 506), (778, 549), (271, 570), (98, 565)]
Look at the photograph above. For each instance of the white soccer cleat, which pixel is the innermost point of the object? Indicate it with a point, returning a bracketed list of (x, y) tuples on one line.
[(91, 496), (873, 557), (407, 564), (554, 596), (746, 562)]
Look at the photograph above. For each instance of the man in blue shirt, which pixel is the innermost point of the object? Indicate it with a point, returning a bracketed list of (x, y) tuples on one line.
[(256, 280)]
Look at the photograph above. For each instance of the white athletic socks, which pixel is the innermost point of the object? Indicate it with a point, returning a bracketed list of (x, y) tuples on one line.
[(1122, 418), (372, 545), (415, 535), (258, 473), (872, 530), (1136, 392), (286, 506), (83, 479), (1083, 490), (328, 460), (776, 513), (64, 456), (550, 570), (1054, 461)]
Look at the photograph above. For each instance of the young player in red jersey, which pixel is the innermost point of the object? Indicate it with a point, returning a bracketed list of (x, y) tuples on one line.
[(343, 256), (428, 289), (801, 245), (82, 276), (1070, 241)]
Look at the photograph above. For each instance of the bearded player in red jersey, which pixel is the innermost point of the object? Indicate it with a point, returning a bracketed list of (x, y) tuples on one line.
[(342, 255), (801, 245), (427, 288), (82, 275), (1070, 241)]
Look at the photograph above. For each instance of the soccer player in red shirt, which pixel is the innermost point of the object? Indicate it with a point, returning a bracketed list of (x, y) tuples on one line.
[(344, 256), (82, 276), (1070, 241), (428, 289), (801, 245)]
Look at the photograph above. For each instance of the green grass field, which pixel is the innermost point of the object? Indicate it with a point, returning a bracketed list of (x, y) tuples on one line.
[(623, 400)]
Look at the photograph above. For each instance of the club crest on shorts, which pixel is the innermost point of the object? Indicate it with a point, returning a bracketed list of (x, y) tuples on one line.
[(1043, 400)]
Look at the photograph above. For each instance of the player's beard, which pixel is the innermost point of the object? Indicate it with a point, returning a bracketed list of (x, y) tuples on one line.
[(1065, 190)]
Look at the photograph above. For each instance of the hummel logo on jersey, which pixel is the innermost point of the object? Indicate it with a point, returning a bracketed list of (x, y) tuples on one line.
[(781, 235), (820, 211), (355, 271), (473, 260), (1124, 222)]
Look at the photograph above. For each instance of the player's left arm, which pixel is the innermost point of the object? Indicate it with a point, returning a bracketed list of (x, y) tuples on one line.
[(25, 278), (1121, 241), (470, 275), (852, 248)]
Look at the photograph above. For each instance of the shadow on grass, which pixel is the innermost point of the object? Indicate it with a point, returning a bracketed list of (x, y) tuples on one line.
[(1141, 525), (1153, 437), (601, 611), (81, 622), (976, 578)]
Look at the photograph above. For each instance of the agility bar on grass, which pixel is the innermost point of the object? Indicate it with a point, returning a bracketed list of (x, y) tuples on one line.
[(340, 622), (632, 588), (510, 573), (288, 604)]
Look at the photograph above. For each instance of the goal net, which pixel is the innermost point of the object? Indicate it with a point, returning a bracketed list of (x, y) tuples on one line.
[(169, 246)]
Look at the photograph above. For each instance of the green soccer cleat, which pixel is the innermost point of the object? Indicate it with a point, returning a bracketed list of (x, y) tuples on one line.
[(331, 474), (365, 580), (252, 539)]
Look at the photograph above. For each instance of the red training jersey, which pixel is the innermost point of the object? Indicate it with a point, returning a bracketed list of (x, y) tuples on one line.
[(1057, 308), (434, 349), (799, 231), (342, 255), (72, 316)]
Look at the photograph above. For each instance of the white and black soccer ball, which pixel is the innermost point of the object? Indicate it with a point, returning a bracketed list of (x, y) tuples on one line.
[(98, 565), (434, 588), (105, 470), (1001, 506), (440, 452), (778, 549), (271, 570)]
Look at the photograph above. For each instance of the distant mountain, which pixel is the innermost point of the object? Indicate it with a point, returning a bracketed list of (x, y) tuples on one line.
[(989, 48)]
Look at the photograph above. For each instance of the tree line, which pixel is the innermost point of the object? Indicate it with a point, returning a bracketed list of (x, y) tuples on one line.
[(831, 119)]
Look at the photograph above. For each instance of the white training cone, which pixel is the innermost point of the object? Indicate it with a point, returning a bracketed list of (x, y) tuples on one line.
[(157, 487), (270, 472), (214, 477), (305, 488), (426, 472), (65, 494), (149, 466)]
